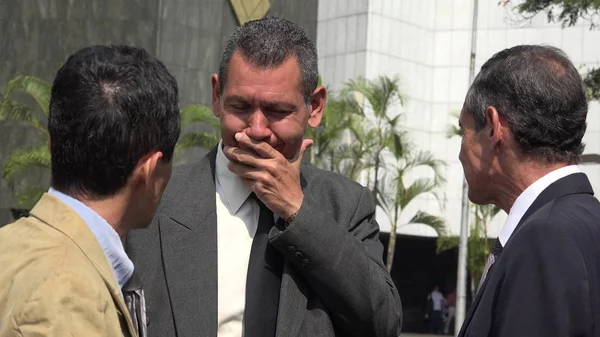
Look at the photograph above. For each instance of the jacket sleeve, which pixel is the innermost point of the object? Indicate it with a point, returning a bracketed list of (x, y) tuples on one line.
[(64, 305), (545, 291), (343, 264)]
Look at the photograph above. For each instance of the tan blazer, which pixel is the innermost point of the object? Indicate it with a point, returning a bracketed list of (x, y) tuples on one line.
[(55, 279)]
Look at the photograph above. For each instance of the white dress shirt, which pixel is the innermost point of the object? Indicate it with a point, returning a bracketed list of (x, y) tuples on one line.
[(107, 237), (237, 220), (527, 198)]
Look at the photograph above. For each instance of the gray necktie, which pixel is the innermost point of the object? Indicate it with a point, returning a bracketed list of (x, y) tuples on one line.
[(496, 250), (136, 304)]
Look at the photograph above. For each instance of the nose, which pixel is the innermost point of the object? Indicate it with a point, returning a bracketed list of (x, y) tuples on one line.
[(258, 126)]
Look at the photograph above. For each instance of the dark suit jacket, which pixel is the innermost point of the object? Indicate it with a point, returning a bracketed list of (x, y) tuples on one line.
[(546, 281), (334, 281)]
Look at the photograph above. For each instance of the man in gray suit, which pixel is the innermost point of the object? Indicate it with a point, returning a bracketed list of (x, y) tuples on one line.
[(249, 240)]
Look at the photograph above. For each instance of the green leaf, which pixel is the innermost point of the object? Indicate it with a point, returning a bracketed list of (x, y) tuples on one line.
[(16, 111), (453, 129), (567, 12), (23, 159), (592, 84), (438, 224), (445, 243), (203, 140), (198, 113), (380, 93), (28, 197), (35, 87), (418, 187), (398, 143)]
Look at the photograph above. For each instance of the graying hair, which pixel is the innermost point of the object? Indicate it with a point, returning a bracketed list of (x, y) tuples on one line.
[(267, 43)]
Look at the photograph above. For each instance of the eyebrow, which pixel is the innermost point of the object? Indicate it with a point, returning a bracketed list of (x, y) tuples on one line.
[(279, 105), (235, 99)]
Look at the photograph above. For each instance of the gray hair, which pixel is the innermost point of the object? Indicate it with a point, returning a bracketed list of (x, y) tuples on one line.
[(267, 43), (541, 95)]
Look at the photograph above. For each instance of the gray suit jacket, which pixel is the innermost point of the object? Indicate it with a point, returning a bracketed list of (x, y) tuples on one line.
[(334, 281)]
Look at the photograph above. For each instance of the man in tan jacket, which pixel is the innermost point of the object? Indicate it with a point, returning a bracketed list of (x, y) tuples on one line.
[(113, 124)]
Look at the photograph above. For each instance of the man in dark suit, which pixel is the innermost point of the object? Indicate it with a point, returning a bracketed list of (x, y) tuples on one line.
[(249, 240), (523, 121)]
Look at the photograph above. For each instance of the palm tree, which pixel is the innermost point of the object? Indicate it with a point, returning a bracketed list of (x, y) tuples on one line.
[(379, 148), (36, 156), (381, 134), (395, 195)]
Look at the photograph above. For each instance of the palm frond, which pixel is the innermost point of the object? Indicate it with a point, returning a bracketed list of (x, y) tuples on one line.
[(435, 222), (485, 212), (23, 159), (380, 93), (198, 113), (398, 143), (405, 196), (29, 196), (337, 110), (352, 102), (33, 86), (445, 243), (200, 139), (423, 159), (16, 111), (453, 129)]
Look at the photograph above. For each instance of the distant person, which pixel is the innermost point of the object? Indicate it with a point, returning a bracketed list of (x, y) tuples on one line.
[(436, 302), (113, 124), (251, 241), (522, 122), (451, 311)]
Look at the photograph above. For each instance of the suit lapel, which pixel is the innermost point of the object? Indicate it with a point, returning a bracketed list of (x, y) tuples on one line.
[(189, 244), (56, 214)]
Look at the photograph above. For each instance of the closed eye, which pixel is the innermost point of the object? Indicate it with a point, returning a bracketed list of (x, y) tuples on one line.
[(239, 108)]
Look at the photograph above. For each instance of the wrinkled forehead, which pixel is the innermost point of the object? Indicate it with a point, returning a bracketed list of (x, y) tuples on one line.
[(245, 79)]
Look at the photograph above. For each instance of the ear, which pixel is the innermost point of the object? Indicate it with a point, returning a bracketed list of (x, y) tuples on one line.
[(216, 95), (317, 105), (496, 126), (146, 170)]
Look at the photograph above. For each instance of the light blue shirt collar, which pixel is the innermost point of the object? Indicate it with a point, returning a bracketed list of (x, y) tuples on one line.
[(107, 237)]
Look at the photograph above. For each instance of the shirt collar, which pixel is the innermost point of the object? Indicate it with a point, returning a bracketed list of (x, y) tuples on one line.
[(107, 237), (234, 190), (528, 196)]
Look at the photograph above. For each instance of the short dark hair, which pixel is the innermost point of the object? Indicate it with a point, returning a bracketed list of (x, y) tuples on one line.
[(110, 106), (541, 94), (267, 43)]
